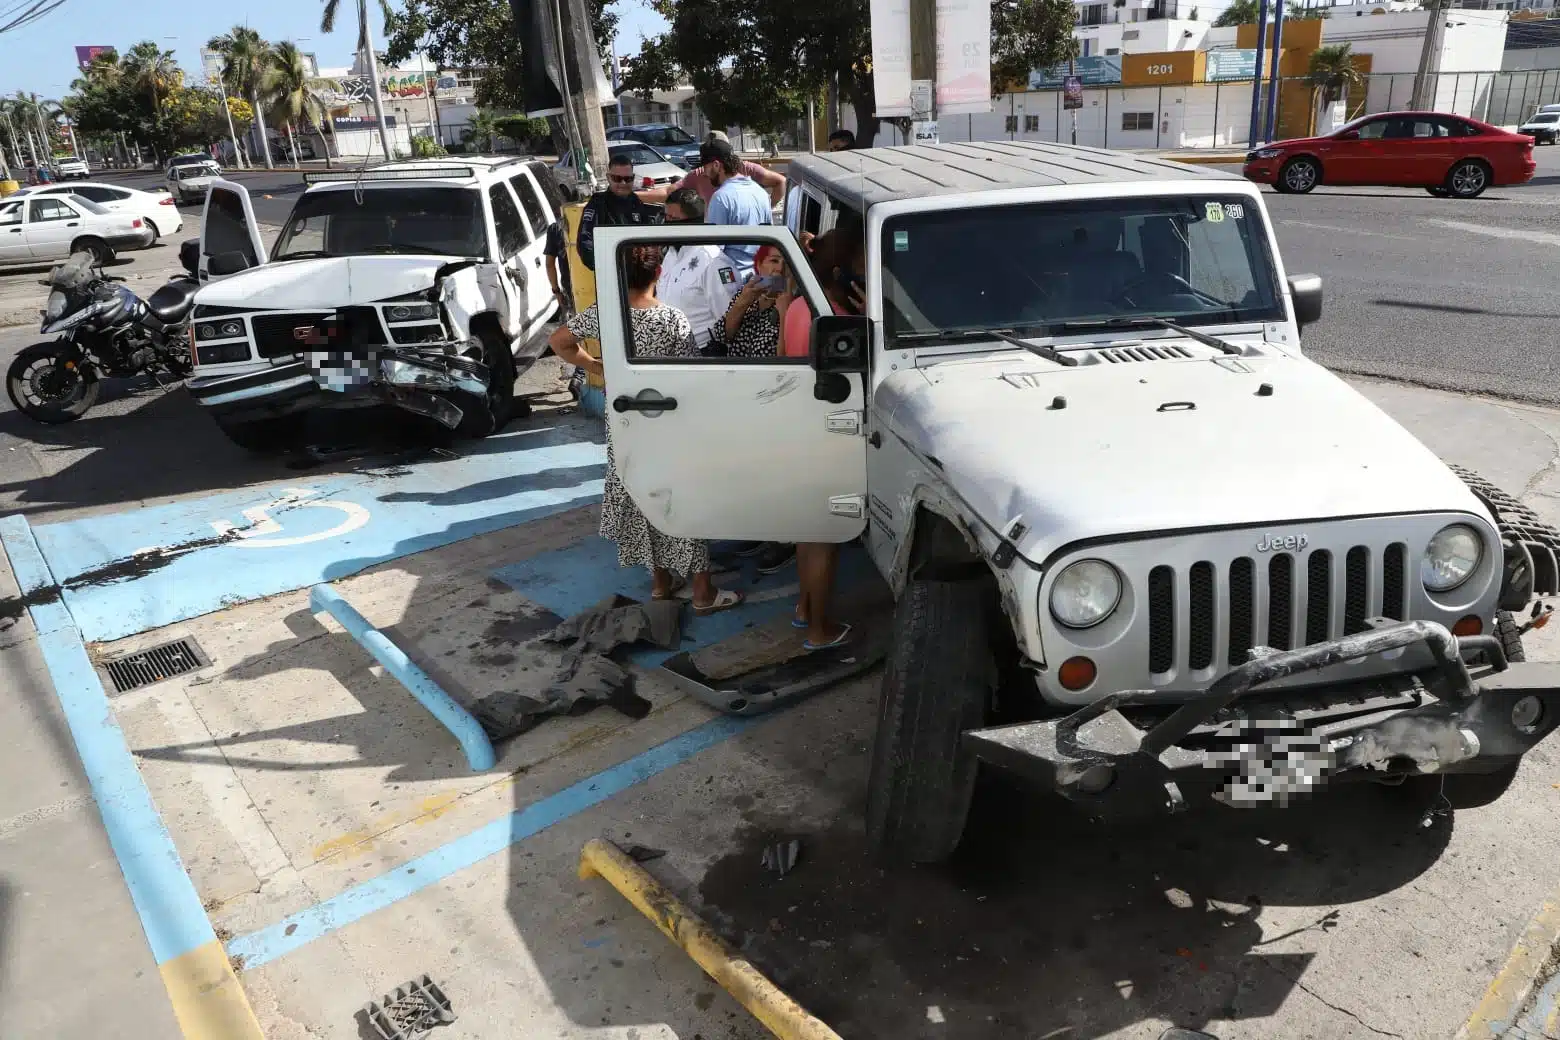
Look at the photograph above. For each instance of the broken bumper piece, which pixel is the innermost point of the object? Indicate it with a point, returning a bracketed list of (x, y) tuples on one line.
[(1237, 746)]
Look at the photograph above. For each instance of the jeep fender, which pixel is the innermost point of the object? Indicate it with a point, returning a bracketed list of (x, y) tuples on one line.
[(938, 544)]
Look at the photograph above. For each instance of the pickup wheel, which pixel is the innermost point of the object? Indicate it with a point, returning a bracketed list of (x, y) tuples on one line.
[(937, 684), (499, 408)]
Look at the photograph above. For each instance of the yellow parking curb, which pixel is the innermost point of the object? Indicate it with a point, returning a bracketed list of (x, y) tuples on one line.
[(1513, 985), (781, 1015), (208, 1000), (1206, 160)]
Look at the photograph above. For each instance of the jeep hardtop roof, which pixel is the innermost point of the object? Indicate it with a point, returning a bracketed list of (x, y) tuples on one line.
[(869, 177)]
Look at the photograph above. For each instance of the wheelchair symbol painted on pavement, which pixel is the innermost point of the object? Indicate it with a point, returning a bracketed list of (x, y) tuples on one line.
[(262, 530)]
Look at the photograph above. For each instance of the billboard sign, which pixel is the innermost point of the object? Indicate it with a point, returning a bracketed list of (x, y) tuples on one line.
[(1093, 70), (85, 56), (963, 57), (1231, 64), (1072, 92)]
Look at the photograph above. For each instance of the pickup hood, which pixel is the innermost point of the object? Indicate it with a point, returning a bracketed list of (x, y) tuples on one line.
[(324, 283), (1160, 446)]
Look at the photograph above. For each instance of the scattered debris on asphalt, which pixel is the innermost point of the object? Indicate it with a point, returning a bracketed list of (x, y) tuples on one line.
[(781, 857), (409, 1011), (643, 853)]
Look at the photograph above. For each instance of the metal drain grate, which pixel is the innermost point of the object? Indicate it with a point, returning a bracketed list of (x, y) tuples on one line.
[(410, 1011), (153, 666)]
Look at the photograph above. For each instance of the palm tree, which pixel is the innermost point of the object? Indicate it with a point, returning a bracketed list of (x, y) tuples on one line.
[(153, 70), (365, 47), (7, 116), (290, 93), (482, 126), (246, 60), (1332, 74)]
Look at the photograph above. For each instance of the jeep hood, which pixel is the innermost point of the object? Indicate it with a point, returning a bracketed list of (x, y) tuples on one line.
[(323, 283), (1111, 449)]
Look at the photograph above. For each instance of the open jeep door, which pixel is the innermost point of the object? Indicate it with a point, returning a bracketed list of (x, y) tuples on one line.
[(728, 447), (229, 235)]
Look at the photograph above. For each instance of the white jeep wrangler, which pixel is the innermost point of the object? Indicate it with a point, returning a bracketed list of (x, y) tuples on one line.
[(420, 284), (1143, 549)]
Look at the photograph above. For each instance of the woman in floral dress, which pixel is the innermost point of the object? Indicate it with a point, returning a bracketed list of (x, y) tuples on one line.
[(657, 331), (753, 318)]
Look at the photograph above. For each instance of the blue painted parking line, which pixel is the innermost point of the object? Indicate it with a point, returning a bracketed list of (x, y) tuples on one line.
[(357, 902), (164, 897), (138, 570), (568, 581)]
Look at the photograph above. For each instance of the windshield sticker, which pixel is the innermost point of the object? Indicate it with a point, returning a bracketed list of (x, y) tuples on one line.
[(1215, 211), (1234, 210), (901, 241)]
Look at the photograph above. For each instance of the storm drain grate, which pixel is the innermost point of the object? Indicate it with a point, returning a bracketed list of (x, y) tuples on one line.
[(153, 666), (409, 1011)]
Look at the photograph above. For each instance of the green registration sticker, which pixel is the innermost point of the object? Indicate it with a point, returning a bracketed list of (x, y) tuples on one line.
[(1215, 212), (901, 241)]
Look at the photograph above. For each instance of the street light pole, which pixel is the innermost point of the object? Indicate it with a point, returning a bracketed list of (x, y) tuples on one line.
[(373, 76)]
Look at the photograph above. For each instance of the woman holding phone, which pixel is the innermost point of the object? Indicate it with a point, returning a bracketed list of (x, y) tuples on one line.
[(753, 319)]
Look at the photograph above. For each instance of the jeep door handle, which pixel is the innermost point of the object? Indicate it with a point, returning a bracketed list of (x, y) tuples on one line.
[(647, 401)]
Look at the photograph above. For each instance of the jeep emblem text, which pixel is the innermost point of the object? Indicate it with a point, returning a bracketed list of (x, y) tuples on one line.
[(1274, 542)]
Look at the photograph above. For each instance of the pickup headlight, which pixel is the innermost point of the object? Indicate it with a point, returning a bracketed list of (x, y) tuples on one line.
[(1085, 593), (1451, 557), (1267, 153), (412, 312), (230, 329)]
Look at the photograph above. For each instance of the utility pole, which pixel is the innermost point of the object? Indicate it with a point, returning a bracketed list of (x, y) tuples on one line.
[(580, 63), (373, 77), (1427, 53), (923, 67), (1254, 132), (1071, 72), (1274, 82)]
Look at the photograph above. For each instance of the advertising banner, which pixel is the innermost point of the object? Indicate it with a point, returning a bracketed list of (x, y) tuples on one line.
[(963, 57), (1094, 70), (1231, 64), (85, 56)]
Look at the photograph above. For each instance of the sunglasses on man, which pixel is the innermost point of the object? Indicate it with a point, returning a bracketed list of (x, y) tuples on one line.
[(617, 178)]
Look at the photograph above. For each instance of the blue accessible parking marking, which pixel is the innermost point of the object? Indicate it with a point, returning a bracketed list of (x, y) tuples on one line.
[(568, 581), (130, 572)]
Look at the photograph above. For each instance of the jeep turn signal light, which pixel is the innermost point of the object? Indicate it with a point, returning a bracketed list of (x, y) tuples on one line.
[(1076, 673), (1468, 626)]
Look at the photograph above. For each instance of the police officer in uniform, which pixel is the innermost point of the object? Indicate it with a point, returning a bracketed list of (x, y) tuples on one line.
[(614, 207), (698, 280)]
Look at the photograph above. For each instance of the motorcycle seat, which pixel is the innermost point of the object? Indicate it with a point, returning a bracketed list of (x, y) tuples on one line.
[(173, 301)]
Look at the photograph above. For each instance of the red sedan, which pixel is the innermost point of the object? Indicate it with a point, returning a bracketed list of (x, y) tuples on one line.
[(1446, 155)]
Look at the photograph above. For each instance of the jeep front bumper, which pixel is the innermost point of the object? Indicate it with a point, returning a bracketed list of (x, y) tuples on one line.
[(1219, 744)]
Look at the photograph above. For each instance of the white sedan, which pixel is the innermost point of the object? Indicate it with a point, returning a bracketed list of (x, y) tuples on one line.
[(40, 230), (157, 208), (651, 168)]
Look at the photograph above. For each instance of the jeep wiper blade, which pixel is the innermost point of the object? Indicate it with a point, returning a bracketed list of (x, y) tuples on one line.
[(1006, 335), (304, 254), (1149, 322)]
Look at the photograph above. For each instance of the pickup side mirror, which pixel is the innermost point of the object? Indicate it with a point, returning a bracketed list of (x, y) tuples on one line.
[(230, 262), (189, 256), (841, 347), (1306, 291)]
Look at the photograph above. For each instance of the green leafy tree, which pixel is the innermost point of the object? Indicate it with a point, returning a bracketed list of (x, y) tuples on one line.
[(1240, 12), (478, 35), (1332, 73), (246, 61), (755, 65), (151, 69), (426, 148), (481, 129), (289, 93)]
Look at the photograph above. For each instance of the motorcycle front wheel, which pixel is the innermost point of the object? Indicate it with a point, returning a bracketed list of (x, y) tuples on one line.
[(48, 387)]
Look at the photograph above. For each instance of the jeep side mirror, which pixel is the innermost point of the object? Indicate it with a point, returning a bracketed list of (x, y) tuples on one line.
[(189, 256), (230, 262), (841, 343), (1306, 291)]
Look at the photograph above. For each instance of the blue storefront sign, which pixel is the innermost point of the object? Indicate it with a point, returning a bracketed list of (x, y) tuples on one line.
[(1093, 70), (1231, 64)]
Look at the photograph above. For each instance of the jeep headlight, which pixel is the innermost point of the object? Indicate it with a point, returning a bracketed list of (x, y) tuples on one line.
[(1085, 593), (1450, 558)]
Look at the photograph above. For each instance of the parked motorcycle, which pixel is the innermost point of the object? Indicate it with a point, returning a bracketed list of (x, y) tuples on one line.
[(105, 330)]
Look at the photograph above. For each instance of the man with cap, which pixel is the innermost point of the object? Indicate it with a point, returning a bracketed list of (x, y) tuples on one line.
[(699, 181), (737, 200)]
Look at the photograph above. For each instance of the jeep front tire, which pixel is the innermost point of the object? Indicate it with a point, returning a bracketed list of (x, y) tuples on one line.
[(937, 683)]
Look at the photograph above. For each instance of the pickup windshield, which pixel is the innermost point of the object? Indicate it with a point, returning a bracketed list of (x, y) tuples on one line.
[(438, 221), (1051, 268)]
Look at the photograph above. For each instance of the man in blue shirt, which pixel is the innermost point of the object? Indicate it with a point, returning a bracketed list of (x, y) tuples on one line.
[(737, 199)]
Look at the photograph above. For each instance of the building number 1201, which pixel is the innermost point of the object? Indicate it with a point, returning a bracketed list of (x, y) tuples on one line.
[(1160, 70)]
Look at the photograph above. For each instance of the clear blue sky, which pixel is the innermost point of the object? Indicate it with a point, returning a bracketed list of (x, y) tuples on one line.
[(41, 57)]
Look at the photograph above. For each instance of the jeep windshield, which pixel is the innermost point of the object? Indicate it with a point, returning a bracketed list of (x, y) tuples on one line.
[(437, 221), (1059, 268)]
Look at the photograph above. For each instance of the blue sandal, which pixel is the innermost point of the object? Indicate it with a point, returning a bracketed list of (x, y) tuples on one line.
[(839, 640)]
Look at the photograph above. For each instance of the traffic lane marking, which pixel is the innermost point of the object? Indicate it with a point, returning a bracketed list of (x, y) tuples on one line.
[(115, 586)]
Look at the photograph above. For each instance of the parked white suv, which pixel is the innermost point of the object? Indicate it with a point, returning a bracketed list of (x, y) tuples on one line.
[(1144, 550), (420, 284)]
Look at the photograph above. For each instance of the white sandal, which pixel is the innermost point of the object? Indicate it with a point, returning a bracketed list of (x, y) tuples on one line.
[(724, 599)]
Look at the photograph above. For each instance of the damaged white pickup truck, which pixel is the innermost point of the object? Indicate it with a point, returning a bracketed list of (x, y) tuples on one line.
[(1144, 550), (417, 284)]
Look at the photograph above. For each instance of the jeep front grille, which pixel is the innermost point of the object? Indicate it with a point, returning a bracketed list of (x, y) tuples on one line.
[(1298, 588)]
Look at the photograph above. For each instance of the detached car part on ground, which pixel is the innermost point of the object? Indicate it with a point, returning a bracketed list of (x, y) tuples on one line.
[(1145, 552)]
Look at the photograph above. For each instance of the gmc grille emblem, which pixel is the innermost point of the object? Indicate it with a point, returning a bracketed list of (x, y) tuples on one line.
[(1278, 542), (310, 335)]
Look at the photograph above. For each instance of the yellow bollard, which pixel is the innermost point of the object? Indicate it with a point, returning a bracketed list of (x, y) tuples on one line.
[(8, 188), (781, 1015), (583, 280)]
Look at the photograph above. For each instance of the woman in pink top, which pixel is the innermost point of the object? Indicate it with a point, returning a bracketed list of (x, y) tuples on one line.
[(839, 262)]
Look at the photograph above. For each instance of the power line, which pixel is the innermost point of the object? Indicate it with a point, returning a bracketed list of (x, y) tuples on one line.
[(36, 9)]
